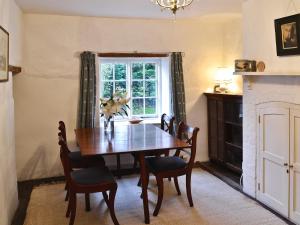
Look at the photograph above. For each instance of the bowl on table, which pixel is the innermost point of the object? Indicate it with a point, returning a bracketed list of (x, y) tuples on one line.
[(135, 120)]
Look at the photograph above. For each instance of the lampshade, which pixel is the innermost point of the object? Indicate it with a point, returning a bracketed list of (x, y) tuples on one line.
[(223, 75)]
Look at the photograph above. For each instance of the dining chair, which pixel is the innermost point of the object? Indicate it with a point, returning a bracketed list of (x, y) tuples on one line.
[(166, 124), (77, 161), (174, 166), (87, 180)]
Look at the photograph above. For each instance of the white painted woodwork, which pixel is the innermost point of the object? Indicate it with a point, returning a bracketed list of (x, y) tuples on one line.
[(295, 165), (273, 179)]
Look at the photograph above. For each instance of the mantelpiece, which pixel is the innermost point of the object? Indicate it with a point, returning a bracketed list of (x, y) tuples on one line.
[(267, 73), (250, 76)]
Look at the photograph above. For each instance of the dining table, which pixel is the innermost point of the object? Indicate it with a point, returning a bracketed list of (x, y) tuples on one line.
[(128, 138)]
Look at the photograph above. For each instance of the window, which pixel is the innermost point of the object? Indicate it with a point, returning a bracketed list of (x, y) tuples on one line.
[(141, 78)]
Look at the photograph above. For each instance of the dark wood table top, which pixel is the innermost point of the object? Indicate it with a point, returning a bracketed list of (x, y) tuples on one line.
[(124, 139)]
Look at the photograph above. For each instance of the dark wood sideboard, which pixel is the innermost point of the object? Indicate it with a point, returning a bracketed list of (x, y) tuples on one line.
[(225, 130)]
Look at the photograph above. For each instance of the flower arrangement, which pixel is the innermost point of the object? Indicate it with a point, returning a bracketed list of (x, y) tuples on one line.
[(115, 105)]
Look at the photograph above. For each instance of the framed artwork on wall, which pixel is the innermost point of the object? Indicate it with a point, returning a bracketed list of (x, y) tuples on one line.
[(4, 54), (287, 31)]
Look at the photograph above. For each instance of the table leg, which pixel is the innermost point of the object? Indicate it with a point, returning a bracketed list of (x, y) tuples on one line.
[(144, 187)]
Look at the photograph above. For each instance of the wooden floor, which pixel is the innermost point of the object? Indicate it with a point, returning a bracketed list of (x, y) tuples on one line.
[(215, 202)]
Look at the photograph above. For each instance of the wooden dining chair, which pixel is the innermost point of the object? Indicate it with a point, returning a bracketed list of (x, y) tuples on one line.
[(166, 124), (174, 166), (87, 180), (78, 162)]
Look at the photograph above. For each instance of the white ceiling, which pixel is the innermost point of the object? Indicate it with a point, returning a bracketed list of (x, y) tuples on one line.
[(126, 8)]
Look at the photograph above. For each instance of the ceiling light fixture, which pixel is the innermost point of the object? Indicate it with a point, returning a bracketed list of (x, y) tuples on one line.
[(173, 5)]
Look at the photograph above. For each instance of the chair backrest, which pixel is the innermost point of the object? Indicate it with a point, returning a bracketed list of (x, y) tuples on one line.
[(189, 135), (65, 161), (62, 129), (167, 123)]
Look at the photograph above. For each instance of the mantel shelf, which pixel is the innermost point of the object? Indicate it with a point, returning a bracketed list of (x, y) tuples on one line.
[(267, 74)]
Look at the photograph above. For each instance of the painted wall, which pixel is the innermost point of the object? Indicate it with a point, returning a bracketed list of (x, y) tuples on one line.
[(11, 20), (259, 44), (47, 91)]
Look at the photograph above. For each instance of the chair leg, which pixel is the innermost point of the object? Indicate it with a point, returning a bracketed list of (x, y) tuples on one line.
[(188, 188), (67, 193), (68, 209), (73, 207), (105, 197), (160, 196), (67, 196), (87, 202), (177, 185), (111, 205), (140, 182)]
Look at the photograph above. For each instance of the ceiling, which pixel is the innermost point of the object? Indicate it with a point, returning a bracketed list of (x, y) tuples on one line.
[(126, 8)]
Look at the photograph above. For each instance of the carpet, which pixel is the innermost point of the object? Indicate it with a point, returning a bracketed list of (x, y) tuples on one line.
[(215, 203)]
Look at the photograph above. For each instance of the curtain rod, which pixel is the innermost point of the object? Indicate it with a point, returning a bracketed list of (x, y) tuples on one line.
[(133, 54)]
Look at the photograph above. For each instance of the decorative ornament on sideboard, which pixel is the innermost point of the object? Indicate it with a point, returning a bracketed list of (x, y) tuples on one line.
[(173, 5)]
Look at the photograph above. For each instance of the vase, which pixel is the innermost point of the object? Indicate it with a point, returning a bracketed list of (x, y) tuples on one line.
[(109, 124)]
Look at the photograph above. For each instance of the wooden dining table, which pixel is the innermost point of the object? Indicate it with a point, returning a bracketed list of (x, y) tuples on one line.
[(137, 138)]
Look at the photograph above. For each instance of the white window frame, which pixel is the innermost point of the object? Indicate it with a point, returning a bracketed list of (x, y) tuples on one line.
[(129, 62)]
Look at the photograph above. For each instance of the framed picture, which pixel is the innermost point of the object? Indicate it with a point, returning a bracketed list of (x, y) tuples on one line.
[(287, 30), (4, 54)]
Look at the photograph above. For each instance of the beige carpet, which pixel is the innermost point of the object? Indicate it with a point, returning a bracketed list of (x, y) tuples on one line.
[(215, 204)]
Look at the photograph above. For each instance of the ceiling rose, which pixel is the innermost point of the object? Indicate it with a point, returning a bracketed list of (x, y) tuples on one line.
[(173, 5)]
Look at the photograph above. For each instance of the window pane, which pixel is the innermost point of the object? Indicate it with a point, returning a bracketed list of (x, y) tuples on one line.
[(137, 71), (138, 106), (150, 106), (107, 89), (137, 89), (120, 71), (150, 90), (120, 86), (106, 71), (150, 71)]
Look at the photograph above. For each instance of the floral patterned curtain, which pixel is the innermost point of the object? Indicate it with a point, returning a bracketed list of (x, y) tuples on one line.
[(87, 95), (177, 88)]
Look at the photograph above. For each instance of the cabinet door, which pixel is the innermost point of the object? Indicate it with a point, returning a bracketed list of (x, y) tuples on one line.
[(273, 178), (212, 128), (295, 166)]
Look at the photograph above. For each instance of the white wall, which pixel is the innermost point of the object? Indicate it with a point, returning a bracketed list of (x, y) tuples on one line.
[(259, 44), (11, 20), (47, 91)]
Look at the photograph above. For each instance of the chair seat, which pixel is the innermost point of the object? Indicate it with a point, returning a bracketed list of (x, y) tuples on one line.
[(92, 176), (162, 164), (78, 161)]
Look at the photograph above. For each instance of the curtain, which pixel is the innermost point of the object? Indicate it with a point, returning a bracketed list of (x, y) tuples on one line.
[(87, 95), (177, 88)]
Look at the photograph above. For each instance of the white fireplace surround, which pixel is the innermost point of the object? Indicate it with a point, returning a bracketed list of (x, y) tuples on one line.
[(264, 88)]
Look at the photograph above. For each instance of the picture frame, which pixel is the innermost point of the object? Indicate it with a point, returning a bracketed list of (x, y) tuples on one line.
[(4, 55), (287, 32)]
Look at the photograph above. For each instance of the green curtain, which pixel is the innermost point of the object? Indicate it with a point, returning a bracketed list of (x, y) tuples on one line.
[(177, 87), (87, 94)]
